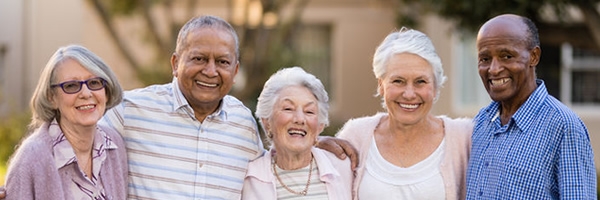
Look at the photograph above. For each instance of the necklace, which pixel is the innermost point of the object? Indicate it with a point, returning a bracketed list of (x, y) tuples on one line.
[(303, 192)]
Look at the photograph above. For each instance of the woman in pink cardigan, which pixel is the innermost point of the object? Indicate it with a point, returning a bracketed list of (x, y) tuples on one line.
[(406, 152), (293, 110), (68, 156)]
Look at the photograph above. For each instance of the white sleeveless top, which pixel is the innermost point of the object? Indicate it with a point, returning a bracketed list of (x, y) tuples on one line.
[(384, 180)]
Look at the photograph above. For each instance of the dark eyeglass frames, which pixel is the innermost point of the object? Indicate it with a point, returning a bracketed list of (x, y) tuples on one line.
[(72, 87)]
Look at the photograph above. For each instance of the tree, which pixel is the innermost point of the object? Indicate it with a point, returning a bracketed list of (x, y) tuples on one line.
[(259, 40), (469, 15)]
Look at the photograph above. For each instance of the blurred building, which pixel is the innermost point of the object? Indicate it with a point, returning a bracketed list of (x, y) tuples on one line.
[(349, 31)]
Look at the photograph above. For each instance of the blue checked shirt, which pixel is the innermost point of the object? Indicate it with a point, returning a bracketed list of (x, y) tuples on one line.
[(543, 152)]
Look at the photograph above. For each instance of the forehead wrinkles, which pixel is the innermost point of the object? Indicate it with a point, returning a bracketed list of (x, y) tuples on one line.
[(500, 42)]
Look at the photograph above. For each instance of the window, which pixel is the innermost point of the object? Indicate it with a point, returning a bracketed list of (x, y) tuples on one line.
[(313, 45), (471, 95), (580, 74)]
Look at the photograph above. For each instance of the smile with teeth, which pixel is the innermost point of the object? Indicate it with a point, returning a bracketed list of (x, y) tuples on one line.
[(499, 81), (297, 132), (409, 106), (86, 107), (206, 84)]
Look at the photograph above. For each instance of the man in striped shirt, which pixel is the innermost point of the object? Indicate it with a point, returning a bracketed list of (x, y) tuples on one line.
[(188, 139)]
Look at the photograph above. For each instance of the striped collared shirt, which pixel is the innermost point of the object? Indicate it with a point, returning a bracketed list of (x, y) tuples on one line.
[(172, 155), (543, 152), (81, 186)]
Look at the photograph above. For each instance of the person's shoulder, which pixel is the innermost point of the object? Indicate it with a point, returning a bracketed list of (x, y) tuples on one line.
[(235, 106), (33, 148), (151, 91), (357, 129), (112, 134), (460, 122), (558, 113), (232, 102), (365, 120)]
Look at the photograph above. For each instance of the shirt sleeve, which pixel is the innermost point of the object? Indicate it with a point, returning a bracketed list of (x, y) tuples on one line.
[(576, 170), (113, 118)]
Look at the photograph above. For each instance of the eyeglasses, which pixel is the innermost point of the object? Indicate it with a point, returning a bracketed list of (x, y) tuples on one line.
[(72, 87)]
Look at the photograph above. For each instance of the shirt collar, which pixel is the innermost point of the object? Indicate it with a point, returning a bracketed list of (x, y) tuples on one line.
[(180, 103), (63, 151), (522, 118), (263, 170)]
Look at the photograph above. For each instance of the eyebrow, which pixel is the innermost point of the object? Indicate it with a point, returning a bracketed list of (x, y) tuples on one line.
[(292, 102)]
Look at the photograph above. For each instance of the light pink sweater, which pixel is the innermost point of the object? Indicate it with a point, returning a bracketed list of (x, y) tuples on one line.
[(359, 132), (335, 173), (32, 173)]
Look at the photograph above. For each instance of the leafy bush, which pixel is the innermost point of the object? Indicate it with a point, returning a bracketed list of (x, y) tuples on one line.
[(12, 130)]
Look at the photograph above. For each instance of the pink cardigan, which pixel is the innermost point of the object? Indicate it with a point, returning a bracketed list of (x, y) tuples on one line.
[(259, 183), (359, 132), (32, 173)]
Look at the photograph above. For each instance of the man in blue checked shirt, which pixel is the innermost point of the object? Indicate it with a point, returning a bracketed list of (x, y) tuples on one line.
[(526, 143)]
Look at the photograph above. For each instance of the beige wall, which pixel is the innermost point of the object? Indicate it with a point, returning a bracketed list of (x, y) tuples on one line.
[(12, 71)]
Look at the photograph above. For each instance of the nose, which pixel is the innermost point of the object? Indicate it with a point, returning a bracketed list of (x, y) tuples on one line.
[(85, 92), (299, 117), (210, 69), (409, 92), (495, 67)]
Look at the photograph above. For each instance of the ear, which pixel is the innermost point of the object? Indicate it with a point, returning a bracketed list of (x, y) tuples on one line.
[(380, 87), (534, 57), (321, 128), (237, 68), (174, 63), (51, 99), (266, 124)]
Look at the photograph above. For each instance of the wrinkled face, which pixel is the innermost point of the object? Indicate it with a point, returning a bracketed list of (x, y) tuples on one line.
[(83, 108), (408, 88), (294, 122), (206, 66), (506, 65)]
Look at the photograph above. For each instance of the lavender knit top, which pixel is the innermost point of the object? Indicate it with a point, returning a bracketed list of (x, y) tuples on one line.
[(33, 171)]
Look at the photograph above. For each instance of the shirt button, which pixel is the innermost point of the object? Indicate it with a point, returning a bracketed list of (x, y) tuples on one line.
[(200, 164)]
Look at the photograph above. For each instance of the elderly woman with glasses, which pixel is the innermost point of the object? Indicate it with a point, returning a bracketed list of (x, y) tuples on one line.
[(293, 110), (69, 156)]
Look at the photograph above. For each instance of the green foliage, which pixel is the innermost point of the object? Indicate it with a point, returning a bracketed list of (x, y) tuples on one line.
[(122, 7), (470, 14), (12, 130)]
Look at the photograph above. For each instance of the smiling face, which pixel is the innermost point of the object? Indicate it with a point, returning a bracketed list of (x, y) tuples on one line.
[(83, 108), (294, 123), (505, 62), (408, 88), (205, 67)]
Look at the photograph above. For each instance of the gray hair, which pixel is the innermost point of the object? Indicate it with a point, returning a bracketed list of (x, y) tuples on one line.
[(206, 21), (408, 41), (40, 104), (286, 77)]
